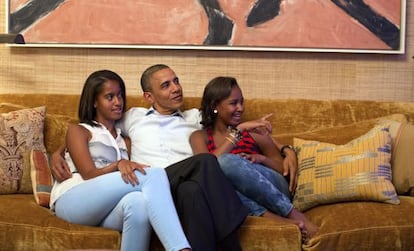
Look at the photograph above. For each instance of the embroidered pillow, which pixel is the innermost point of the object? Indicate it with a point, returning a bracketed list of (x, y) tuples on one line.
[(357, 171), (20, 132), (41, 177)]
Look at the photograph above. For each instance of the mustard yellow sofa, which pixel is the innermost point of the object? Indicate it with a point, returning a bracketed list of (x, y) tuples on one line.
[(344, 225)]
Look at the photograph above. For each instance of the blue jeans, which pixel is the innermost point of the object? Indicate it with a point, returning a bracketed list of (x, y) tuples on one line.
[(259, 187), (108, 201)]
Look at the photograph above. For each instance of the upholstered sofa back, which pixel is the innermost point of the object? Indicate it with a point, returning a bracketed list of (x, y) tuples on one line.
[(334, 121)]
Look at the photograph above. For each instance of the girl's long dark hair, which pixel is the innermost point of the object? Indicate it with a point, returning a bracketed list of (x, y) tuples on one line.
[(216, 90), (91, 88)]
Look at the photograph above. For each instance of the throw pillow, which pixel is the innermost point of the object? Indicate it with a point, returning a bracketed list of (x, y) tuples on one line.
[(20, 131), (403, 159), (41, 176), (357, 171)]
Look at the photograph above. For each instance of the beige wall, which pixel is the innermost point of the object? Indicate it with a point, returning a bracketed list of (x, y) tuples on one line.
[(261, 74)]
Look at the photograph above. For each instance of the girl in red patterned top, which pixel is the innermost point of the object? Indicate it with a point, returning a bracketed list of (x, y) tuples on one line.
[(248, 155)]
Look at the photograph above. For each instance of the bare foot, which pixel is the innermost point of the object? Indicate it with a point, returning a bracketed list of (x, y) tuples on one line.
[(299, 223), (310, 229)]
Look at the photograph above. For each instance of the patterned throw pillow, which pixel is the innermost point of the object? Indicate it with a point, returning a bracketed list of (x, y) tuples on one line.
[(357, 171), (20, 132), (41, 176)]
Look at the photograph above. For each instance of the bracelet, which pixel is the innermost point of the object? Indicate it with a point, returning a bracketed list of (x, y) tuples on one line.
[(282, 150), (230, 140), (235, 133)]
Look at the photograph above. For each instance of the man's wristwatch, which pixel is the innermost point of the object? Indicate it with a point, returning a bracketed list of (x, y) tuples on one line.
[(282, 150)]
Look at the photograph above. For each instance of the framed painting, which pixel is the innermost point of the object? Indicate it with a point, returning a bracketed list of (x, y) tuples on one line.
[(368, 26)]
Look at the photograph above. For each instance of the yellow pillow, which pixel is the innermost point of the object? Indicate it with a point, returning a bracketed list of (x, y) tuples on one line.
[(357, 171)]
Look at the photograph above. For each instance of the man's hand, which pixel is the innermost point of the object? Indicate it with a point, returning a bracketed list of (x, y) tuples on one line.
[(290, 167), (59, 168)]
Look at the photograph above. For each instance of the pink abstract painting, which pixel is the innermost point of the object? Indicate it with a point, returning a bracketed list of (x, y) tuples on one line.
[(376, 25)]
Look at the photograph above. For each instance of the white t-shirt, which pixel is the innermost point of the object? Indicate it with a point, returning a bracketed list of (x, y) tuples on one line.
[(159, 140)]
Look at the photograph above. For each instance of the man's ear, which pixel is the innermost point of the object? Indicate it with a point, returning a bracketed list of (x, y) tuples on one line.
[(148, 97)]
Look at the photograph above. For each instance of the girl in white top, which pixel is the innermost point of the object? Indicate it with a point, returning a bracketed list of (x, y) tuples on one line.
[(100, 192)]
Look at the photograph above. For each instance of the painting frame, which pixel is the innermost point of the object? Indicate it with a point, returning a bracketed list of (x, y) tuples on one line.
[(394, 33)]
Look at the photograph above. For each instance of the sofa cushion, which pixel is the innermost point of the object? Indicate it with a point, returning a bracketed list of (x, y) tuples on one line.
[(357, 171), (403, 159), (41, 177), (363, 226), (20, 131), (27, 226)]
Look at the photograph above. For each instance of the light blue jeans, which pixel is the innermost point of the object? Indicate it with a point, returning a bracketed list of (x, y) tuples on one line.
[(109, 202), (259, 187)]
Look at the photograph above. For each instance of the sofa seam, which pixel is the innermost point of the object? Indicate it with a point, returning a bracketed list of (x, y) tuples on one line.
[(77, 232), (363, 229)]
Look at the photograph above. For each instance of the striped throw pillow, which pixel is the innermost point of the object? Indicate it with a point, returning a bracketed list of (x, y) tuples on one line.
[(357, 171), (41, 176)]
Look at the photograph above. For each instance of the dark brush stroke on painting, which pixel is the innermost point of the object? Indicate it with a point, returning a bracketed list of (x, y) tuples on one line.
[(263, 11), (30, 13), (220, 27), (377, 24)]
